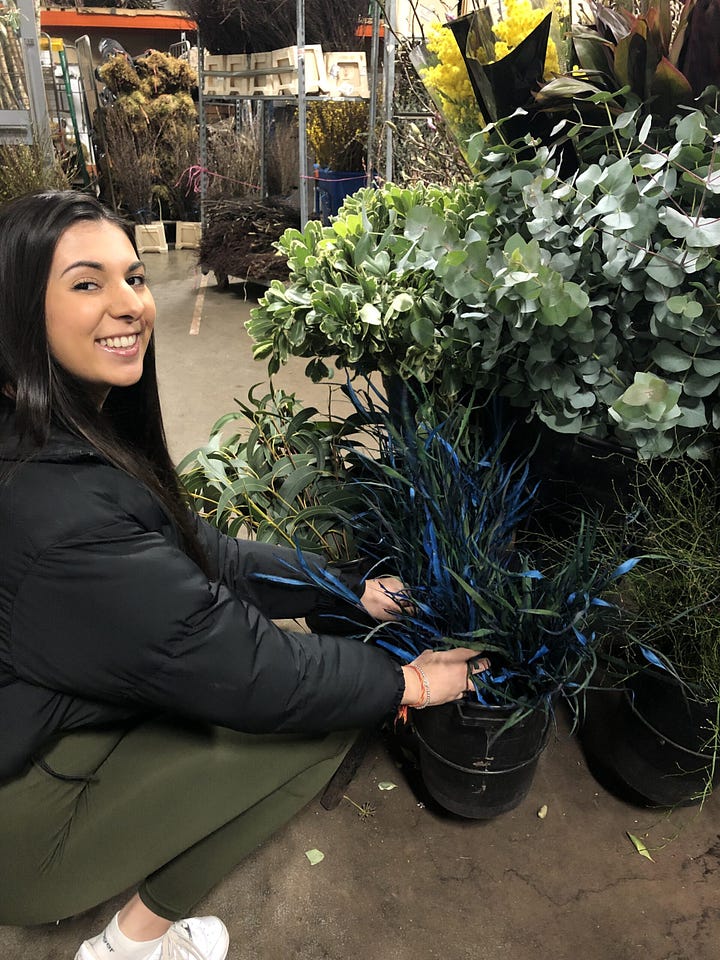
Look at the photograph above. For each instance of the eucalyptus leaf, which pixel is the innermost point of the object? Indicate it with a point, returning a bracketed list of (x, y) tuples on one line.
[(671, 358), (706, 367)]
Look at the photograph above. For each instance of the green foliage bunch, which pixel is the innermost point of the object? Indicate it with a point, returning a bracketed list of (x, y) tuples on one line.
[(356, 292), (589, 301), (671, 603), (651, 58), (279, 478)]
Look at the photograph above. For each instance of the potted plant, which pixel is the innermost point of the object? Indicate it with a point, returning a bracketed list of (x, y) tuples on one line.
[(279, 478), (661, 745), (586, 305), (443, 509), (337, 134)]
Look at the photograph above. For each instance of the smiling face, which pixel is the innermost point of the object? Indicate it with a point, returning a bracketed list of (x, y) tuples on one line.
[(99, 312)]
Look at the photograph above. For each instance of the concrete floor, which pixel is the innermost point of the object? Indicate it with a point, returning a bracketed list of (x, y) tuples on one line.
[(409, 883)]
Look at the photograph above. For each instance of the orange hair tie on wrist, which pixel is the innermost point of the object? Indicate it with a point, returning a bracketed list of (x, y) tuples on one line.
[(424, 700)]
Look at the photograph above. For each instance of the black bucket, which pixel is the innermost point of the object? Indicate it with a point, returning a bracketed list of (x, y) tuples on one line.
[(471, 768), (661, 743)]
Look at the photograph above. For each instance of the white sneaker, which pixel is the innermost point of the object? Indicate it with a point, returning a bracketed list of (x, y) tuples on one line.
[(199, 938)]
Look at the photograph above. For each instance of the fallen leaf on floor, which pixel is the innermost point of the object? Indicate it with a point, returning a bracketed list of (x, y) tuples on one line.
[(639, 846), (314, 856), (386, 785), (542, 812)]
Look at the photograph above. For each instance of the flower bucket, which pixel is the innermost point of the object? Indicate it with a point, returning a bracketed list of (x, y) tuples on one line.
[(472, 767), (334, 186), (660, 742)]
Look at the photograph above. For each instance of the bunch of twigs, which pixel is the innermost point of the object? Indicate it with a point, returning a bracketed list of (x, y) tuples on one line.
[(226, 26), (240, 236)]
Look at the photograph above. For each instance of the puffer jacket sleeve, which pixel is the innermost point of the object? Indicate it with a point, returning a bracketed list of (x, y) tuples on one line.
[(123, 616), (244, 565)]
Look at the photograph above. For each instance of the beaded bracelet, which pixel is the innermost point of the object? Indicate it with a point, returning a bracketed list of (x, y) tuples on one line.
[(424, 700)]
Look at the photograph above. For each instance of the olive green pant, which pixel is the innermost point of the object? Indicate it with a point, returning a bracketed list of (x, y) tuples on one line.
[(169, 808)]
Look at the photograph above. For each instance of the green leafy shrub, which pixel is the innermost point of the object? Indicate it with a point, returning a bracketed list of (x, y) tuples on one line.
[(590, 302), (280, 478)]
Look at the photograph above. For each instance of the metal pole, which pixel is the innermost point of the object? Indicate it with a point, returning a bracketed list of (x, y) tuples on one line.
[(389, 78), (202, 130), (372, 113), (34, 79), (262, 125), (302, 114), (73, 116)]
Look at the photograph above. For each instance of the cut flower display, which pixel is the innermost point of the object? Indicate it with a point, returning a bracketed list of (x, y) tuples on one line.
[(443, 71), (521, 19), (478, 70)]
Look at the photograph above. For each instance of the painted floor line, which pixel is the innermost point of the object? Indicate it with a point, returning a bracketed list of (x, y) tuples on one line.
[(199, 300)]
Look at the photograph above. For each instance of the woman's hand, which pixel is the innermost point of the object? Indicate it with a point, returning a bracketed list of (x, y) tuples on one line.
[(437, 677), (383, 598)]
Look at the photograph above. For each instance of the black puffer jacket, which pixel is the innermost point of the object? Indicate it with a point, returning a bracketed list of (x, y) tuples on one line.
[(104, 618)]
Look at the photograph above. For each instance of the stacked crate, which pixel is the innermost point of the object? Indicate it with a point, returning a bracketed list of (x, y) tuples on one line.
[(274, 73)]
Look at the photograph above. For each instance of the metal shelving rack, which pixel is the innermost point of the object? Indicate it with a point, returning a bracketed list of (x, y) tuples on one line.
[(27, 121), (301, 100)]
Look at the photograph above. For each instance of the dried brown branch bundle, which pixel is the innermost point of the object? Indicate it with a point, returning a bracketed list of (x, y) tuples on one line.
[(424, 149), (234, 156), (132, 161), (128, 4), (178, 154), (233, 160), (227, 26), (238, 240), (282, 157), (151, 134)]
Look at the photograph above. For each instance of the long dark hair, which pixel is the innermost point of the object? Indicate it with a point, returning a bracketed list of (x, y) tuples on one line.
[(128, 431)]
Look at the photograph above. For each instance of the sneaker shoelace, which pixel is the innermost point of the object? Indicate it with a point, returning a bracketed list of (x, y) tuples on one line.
[(177, 947)]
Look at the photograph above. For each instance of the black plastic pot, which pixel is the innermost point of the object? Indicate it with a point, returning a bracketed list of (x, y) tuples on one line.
[(656, 747), (468, 765)]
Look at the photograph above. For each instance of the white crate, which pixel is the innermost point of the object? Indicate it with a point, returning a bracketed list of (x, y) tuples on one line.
[(187, 235), (347, 74), (263, 84), (150, 238), (315, 77), (214, 85), (238, 85)]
